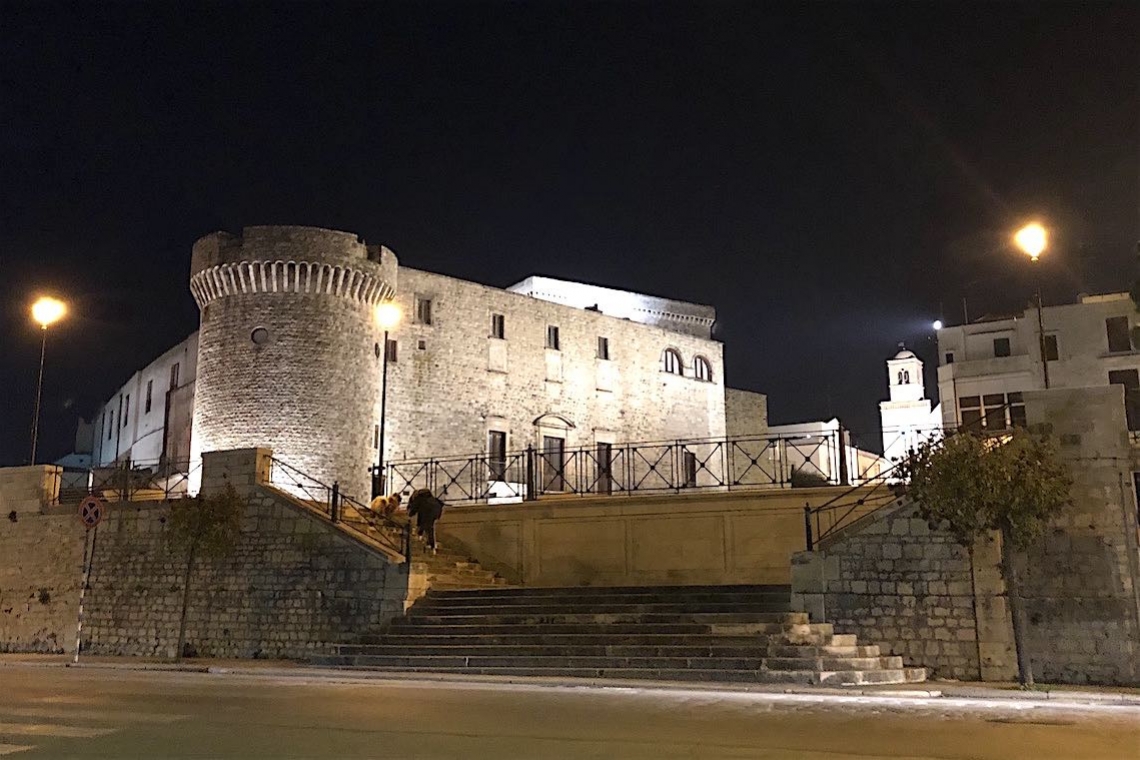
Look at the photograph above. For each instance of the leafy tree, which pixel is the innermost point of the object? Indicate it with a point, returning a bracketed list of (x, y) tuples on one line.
[(205, 526), (1013, 483)]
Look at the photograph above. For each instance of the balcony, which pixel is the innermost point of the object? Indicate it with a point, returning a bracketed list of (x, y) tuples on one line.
[(989, 367)]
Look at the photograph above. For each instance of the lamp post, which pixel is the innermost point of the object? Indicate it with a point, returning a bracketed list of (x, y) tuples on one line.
[(45, 311), (1032, 239), (387, 317)]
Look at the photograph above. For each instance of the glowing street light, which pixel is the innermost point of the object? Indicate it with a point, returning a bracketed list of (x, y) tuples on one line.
[(45, 311), (387, 316), (937, 325), (1032, 240)]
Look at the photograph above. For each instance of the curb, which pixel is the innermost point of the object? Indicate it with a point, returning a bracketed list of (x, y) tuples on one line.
[(938, 690)]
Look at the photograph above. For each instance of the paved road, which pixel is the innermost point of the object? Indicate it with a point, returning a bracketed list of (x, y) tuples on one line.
[(57, 713)]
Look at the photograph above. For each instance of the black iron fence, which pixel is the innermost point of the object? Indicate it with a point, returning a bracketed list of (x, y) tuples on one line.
[(342, 509), (628, 468), (129, 481)]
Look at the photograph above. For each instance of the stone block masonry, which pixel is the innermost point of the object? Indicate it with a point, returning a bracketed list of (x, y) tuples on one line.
[(293, 583)]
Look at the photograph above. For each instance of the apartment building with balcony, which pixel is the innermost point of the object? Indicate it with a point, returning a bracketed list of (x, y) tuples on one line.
[(985, 366)]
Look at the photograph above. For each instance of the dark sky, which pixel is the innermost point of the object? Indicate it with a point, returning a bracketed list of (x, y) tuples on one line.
[(824, 175)]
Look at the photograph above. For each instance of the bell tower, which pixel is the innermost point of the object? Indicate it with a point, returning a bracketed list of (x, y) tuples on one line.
[(907, 417)]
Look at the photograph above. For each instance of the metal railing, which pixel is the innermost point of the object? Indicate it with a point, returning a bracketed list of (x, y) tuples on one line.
[(129, 481), (627, 468), (824, 521), (342, 509)]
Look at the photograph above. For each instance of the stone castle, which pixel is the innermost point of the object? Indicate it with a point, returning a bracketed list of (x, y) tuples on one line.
[(289, 355)]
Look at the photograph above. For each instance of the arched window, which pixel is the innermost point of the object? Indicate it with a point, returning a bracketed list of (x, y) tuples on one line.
[(671, 361), (702, 370)]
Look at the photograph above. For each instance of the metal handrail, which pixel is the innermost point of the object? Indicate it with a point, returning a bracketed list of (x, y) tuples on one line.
[(859, 495), (132, 481), (627, 468), (332, 502)]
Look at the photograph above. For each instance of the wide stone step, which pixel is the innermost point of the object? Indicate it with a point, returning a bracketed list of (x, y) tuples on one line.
[(535, 638), (554, 618), (564, 650), (435, 610), (607, 661), (800, 650), (794, 632), (805, 677), (560, 597), (581, 592)]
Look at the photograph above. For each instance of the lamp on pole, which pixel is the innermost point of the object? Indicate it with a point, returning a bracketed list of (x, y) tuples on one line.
[(45, 311), (1032, 239), (387, 317)]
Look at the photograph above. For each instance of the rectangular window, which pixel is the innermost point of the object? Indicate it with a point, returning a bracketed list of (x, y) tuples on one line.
[(949, 357), (390, 350), (126, 411), (498, 326), (497, 454), (553, 464), (1016, 410), (605, 468), (1130, 379), (110, 423), (1051, 352), (423, 311), (149, 389), (689, 463), (174, 375), (1117, 329), (1001, 347), (603, 348), (552, 337), (376, 436), (993, 405), (970, 411)]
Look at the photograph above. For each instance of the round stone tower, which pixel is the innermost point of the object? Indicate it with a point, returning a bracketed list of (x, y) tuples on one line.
[(288, 349)]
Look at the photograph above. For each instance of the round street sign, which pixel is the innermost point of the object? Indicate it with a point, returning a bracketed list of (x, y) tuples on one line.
[(91, 511)]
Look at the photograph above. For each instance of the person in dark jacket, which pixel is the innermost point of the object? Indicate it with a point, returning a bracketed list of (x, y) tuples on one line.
[(427, 509)]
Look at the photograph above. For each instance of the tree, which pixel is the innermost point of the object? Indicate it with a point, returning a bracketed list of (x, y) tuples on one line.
[(1013, 484), (205, 526)]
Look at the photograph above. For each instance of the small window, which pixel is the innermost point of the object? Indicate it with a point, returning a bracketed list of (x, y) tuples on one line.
[(497, 454), (970, 411), (1001, 347), (390, 350), (422, 345), (498, 326), (993, 405), (552, 340), (423, 311), (1117, 329), (671, 361), (689, 464), (126, 411), (603, 348), (174, 375), (1016, 410), (1051, 353), (702, 369), (949, 357), (1130, 379), (376, 437), (110, 423), (149, 392)]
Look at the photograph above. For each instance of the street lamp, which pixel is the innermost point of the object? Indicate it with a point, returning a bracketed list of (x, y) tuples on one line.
[(387, 316), (1032, 240), (45, 311)]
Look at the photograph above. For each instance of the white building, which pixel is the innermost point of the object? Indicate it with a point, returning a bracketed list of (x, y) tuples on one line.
[(907, 417), (985, 366)]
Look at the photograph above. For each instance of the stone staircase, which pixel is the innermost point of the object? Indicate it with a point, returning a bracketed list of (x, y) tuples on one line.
[(676, 633)]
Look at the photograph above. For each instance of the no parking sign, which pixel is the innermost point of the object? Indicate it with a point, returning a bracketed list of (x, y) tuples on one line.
[(91, 511)]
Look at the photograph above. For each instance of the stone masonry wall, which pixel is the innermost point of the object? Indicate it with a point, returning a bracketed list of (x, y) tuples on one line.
[(41, 560), (446, 396), (293, 584)]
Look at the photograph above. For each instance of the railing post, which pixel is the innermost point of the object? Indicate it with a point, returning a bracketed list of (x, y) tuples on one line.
[(531, 484), (807, 527), (844, 477), (334, 505), (408, 542)]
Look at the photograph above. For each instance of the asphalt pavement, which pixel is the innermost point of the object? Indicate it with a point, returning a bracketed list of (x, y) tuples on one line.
[(92, 712)]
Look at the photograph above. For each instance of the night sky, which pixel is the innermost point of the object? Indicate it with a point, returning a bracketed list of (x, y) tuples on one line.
[(829, 177)]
